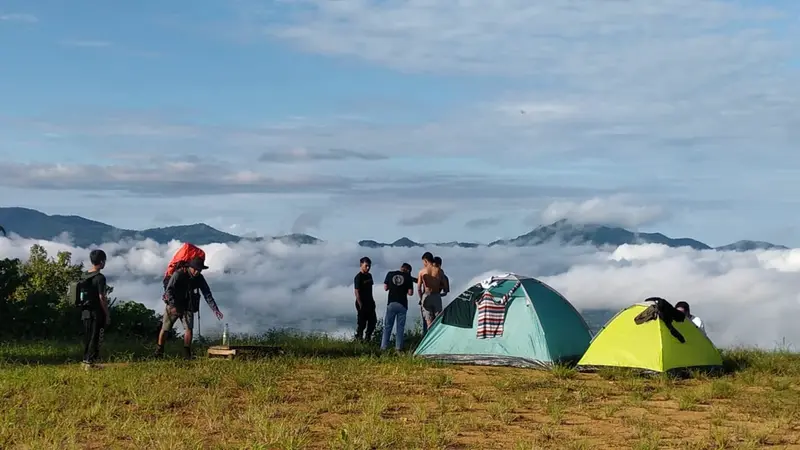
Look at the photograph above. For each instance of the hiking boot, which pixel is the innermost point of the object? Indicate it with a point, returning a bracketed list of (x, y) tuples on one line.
[(187, 353), (159, 351)]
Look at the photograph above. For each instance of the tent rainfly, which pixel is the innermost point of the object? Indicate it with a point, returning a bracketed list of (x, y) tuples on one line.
[(651, 336), (509, 320)]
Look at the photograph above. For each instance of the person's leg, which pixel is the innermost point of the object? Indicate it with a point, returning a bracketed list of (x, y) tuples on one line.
[(372, 321), (166, 324), (437, 307), (433, 307), (424, 322), (86, 319), (188, 329), (97, 329), (427, 314), (427, 318), (361, 323), (400, 334), (92, 329), (388, 322)]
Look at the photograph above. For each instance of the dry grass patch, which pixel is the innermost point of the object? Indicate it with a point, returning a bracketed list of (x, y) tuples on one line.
[(363, 401)]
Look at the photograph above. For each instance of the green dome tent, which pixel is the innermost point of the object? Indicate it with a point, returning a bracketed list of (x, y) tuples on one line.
[(509, 320)]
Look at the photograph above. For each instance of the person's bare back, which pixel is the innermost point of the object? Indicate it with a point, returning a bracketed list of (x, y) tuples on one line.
[(431, 278)]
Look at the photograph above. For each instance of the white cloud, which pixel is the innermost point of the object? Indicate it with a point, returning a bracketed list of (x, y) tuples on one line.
[(18, 17), (538, 112), (612, 211), (685, 88), (745, 298), (86, 43), (654, 83), (306, 221), (482, 222), (171, 177), (299, 154), (516, 37), (427, 217)]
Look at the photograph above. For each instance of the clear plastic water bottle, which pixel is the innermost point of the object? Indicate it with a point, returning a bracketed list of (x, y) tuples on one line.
[(225, 335)]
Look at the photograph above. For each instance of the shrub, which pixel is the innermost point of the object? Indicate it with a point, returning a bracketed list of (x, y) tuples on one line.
[(33, 301)]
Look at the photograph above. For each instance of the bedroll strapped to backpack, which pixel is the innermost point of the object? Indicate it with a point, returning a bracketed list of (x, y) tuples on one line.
[(181, 258)]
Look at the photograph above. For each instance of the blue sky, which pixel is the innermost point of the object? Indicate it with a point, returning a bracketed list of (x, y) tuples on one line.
[(361, 119)]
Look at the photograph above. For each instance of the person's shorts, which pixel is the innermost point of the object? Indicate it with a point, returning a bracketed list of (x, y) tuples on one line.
[(431, 306), (171, 316)]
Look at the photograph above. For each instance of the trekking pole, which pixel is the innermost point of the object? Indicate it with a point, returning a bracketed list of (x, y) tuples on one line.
[(199, 333)]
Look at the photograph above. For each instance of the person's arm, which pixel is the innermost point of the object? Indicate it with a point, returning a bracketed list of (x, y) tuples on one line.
[(386, 282), (355, 289), (203, 285), (101, 290), (410, 285), (445, 284), (172, 286), (420, 284)]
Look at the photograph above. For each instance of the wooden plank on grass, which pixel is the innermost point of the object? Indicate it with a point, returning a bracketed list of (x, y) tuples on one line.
[(232, 351), (220, 351)]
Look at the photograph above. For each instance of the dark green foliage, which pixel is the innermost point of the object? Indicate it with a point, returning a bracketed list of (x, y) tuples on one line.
[(33, 301), (134, 320)]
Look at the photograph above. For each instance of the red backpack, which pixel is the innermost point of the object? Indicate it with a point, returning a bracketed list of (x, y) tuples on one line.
[(182, 257)]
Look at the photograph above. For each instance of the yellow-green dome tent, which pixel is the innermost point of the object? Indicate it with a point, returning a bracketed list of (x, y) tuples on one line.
[(649, 345)]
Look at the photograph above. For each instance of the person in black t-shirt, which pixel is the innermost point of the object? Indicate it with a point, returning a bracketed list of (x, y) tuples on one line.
[(365, 302), (95, 315), (399, 285)]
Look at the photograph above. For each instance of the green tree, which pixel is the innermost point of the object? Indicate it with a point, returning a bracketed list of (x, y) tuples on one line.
[(37, 307), (34, 303), (11, 278), (47, 276)]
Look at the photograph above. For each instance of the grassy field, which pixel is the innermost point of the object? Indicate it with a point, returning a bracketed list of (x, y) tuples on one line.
[(324, 393)]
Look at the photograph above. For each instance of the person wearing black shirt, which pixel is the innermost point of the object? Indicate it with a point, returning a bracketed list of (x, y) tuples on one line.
[(399, 285), (94, 315), (365, 303)]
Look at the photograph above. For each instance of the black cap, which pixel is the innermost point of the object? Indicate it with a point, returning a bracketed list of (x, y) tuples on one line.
[(197, 263)]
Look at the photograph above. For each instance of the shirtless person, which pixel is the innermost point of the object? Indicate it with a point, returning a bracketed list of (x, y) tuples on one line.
[(429, 287), (437, 261)]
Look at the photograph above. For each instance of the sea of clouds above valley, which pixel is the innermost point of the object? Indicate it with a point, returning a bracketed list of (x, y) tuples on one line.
[(745, 299)]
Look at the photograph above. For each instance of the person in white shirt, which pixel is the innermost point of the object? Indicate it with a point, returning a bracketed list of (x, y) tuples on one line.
[(684, 308)]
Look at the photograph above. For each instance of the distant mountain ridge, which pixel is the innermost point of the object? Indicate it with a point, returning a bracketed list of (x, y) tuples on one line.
[(566, 233), (29, 223), (599, 235)]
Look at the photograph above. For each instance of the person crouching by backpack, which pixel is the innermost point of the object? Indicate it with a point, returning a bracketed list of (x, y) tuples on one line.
[(94, 306), (181, 305)]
